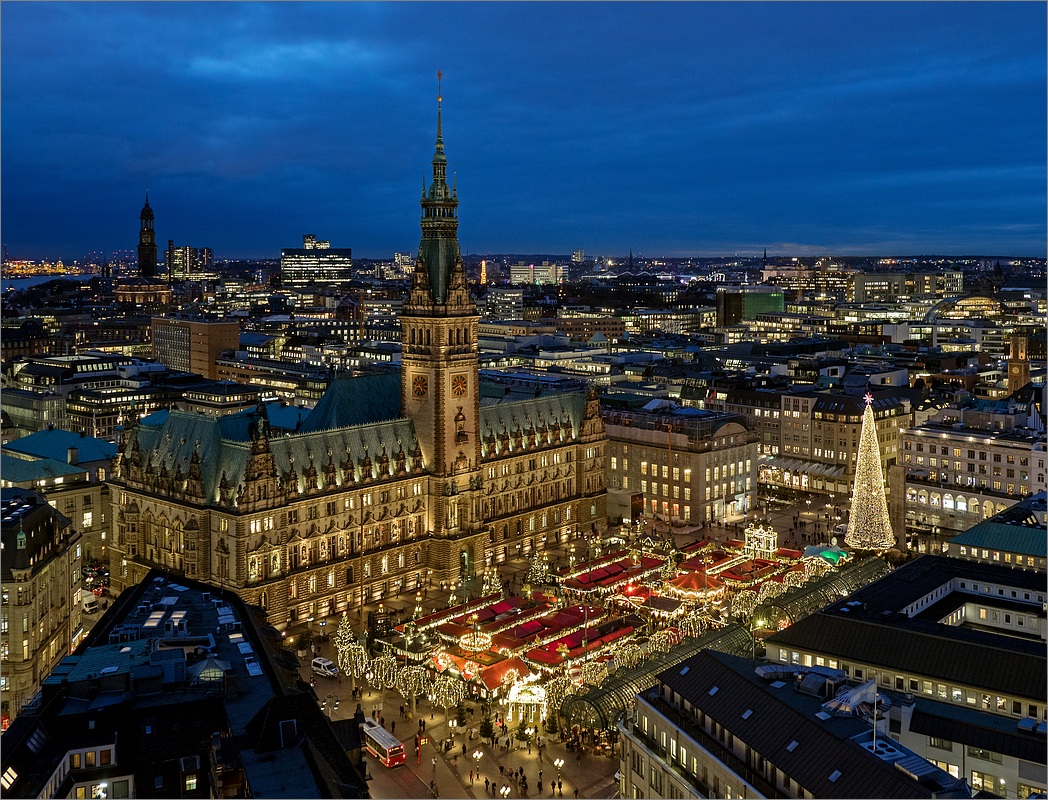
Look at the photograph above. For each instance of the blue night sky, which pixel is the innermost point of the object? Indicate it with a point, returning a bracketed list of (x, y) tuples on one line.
[(669, 129)]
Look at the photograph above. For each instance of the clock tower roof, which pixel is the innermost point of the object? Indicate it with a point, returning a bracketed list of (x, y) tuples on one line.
[(439, 258)]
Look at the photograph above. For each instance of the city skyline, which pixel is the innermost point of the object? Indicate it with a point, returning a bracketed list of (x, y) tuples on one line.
[(683, 129)]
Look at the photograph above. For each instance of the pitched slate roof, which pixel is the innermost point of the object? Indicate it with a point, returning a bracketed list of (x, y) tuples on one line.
[(998, 664), (224, 445), (356, 401), (725, 687)]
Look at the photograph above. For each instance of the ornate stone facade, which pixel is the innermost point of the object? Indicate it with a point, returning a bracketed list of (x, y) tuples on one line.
[(393, 481)]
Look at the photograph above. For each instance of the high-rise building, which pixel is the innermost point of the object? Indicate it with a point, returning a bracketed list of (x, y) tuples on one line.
[(193, 345), (315, 262), (187, 263), (391, 480), (146, 242), (736, 303)]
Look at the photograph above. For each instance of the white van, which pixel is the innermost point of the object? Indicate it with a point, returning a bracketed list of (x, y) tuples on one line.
[(325, 667), (90, 603)]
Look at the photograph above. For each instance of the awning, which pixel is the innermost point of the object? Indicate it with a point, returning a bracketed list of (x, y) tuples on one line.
[(803, 467)]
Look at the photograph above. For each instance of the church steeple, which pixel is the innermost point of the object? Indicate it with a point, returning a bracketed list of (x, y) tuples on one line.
[(438, 251), (146, 242)]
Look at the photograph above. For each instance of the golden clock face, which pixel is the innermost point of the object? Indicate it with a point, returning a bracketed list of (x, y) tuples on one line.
[(458, 385), (1015, 370), (420, 386)]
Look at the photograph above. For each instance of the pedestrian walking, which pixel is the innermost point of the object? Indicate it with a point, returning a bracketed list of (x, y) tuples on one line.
[(576, 793), (560, 787), (486, 785), (471, 777), (540, 778), (393, 726), (501, 770), (434, 764)]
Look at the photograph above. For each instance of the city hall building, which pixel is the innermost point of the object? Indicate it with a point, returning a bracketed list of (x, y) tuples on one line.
[(392, 481)]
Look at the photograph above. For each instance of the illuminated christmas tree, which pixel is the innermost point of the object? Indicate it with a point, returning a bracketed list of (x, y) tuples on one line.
[(869, 527)]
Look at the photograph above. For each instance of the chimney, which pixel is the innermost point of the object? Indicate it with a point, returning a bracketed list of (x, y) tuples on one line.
[(73, 456)]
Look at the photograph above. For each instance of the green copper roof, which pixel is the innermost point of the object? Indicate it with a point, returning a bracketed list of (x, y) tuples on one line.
[(356, 401)]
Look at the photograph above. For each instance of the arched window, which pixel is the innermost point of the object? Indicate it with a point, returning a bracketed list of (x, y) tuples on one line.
[(947, 501), (962, 503)]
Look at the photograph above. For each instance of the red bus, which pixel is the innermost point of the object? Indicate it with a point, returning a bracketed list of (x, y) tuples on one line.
[(382, 744)]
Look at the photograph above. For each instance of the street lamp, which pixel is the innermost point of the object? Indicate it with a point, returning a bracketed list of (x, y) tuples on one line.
[(504, 791), (558, 764)]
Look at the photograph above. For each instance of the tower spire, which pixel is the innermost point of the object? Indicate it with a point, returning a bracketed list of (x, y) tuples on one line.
[(439, 248)]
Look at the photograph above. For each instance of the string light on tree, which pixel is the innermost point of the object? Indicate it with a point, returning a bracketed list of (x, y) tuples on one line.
[(869, 527), (556, 690), (629, 655), (593, 672), (352, 656), (411, 682), (743, 603), (384, 671), (448, 691)]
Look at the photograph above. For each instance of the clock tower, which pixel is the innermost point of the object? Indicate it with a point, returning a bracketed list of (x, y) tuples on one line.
[(439, 384), (1018, 365)]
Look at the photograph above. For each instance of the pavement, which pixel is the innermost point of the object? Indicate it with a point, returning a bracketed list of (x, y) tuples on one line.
[(592, 775)]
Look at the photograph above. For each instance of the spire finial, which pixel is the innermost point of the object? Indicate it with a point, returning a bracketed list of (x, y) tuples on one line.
[(440, 136)]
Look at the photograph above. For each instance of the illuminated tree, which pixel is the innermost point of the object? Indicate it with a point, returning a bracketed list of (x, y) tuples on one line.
[(816, 567), (384, 671), (538, 569), (556, 690), (352, 656), (770, 589), (694, 625), (794, 578), (448, 691), (743, 603), (629, 655), (411, 682), (869, 527), (593, 672), (662, 641)]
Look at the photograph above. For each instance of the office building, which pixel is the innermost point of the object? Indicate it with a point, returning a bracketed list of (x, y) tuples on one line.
[(193, 345), (315, 262), (688, 464), (714, 726)]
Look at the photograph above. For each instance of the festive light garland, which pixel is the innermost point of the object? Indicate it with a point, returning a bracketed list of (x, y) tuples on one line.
[(694, 625), (793, 578), (869, 526), (476, 641)]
